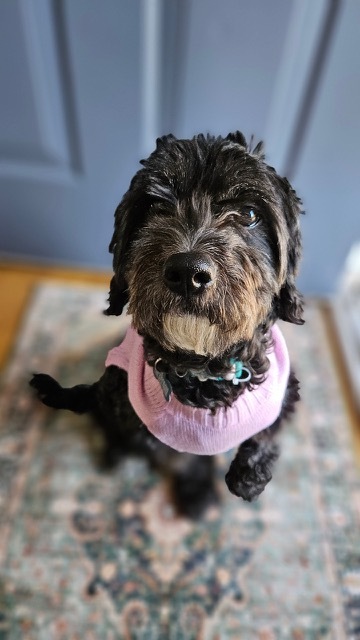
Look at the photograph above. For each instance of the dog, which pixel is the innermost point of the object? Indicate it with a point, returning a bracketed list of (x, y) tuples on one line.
[(206, 249)]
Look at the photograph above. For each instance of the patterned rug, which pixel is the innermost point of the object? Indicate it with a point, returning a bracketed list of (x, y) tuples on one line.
[(89, 554)]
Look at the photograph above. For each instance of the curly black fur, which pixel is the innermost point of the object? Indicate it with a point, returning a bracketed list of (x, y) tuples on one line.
[(192, 196)]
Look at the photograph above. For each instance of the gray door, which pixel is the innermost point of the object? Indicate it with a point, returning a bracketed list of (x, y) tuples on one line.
[(69, 132), (87, 85)]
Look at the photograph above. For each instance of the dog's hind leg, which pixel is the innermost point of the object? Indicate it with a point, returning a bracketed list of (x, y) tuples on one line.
[(79, 399), (193, 484)]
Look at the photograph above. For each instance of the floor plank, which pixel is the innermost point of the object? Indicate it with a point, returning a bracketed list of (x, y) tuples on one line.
[(17, 281)]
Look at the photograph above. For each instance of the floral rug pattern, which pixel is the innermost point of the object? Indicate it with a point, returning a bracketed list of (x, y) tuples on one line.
[(89, 554)]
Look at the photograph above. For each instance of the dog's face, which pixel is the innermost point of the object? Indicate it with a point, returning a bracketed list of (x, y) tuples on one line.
[(206, 246)]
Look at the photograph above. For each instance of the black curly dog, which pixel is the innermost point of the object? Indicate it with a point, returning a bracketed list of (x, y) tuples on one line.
[(208, 235)]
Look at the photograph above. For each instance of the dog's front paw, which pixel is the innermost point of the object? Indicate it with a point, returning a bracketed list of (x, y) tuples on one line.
[(247, 483), (251, 470), (47, 390)]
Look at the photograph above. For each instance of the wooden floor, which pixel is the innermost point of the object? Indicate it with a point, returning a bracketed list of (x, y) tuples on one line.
[(17, 282)]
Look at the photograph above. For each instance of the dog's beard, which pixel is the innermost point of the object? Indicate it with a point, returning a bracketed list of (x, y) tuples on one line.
[(197, 334), (209, 335), (191, 333), (207, 325)]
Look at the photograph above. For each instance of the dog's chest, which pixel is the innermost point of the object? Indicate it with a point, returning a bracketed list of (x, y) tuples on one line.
[(199, 430)]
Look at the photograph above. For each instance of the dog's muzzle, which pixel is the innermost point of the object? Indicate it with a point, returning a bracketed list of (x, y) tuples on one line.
[(188, 274)]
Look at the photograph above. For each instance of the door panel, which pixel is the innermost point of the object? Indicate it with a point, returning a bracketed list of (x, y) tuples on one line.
[(232, 51), (34, 134), (69, 133), (87, 86), (328, 173)]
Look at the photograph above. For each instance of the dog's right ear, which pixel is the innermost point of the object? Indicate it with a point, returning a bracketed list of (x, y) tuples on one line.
[(129, 216), (290, 300)]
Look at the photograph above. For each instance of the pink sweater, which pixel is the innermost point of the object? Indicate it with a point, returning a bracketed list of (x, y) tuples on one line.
[(193, 430)]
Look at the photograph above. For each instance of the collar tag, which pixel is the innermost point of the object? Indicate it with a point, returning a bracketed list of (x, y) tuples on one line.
[(237, 374), (241, 373)]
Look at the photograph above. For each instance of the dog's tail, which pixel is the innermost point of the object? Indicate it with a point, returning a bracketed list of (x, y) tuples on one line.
[(80, 399)]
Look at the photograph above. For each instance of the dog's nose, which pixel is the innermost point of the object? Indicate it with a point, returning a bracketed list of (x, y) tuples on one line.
[(189, 274)]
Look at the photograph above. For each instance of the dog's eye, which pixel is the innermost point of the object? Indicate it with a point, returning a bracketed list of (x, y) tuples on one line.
[(247, 216), (250, 216)]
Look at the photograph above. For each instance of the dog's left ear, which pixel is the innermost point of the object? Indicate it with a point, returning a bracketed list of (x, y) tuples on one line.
[(289, 303), (117, 299), (129, 216), (118, 296)]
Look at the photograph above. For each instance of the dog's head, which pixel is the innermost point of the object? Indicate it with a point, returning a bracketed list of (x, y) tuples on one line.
[(206, 245)]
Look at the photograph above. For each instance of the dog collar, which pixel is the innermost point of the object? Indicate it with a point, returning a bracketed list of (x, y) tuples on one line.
[(237, 374)]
